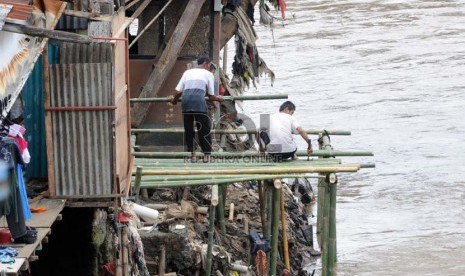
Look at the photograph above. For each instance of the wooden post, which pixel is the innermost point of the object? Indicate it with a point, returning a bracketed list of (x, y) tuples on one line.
[(285, 245), (162, 69), (41, 32), (48, 124), (275, 227), (161, 266)]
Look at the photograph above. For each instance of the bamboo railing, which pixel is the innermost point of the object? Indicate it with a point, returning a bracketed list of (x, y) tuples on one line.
[(225, 98)]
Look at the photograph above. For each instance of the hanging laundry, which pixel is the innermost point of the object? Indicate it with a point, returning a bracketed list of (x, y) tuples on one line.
[(17, 131), (7, 255), (23, 193)]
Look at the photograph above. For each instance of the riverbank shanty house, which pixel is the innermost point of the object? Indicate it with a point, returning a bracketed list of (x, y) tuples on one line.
[(63, 77)]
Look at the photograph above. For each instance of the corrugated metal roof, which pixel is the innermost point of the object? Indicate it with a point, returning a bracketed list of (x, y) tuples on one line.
[(82, 140), (21, 12)]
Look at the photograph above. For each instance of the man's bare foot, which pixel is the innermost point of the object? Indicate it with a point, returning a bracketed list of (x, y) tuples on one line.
[(193, 157), (206, 158)]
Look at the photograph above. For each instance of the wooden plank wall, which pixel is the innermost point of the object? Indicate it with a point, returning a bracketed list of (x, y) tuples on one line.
[(122, 114)]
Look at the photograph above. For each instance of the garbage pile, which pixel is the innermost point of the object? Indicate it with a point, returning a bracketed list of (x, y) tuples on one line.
[(177, 241)]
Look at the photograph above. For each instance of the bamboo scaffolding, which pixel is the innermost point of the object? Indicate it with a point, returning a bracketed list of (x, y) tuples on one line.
[(275, 229), (250, 154), (235, 131), (225, 98)]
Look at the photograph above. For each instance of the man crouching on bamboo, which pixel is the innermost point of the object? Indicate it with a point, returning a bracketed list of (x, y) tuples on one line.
[(281, 144), (195, 84)]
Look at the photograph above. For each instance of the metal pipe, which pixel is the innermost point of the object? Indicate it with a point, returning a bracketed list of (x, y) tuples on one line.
[(236, 131), (225, 98), (315, 153), (325, 234), (80, 108), (275, 231)]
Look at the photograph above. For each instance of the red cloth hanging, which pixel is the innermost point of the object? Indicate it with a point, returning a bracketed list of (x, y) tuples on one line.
[(282, 6)]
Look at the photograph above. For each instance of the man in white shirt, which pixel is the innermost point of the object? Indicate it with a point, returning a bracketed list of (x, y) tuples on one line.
[(282, 125), (195, 84)]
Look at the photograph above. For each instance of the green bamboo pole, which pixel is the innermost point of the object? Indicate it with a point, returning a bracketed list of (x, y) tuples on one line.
[(258, 170), (223, 156), (275, 227), (207, 178), (332, 225), (235, 131), (323, 145), (226, 98), (237, 163), (220, 209), (200, 182), (325, 234), (211, 230), (137, 181)]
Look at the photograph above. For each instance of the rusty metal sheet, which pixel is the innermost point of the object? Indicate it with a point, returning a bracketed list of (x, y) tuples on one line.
[(82, 140)]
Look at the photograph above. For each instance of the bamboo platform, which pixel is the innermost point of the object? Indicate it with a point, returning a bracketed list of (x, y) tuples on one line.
[(165, 173), (43, 223)]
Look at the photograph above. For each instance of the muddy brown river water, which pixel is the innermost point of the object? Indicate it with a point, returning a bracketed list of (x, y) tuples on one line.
[(393, 72)]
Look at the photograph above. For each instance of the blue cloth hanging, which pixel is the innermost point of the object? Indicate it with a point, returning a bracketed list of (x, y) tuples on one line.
[(23, 194)]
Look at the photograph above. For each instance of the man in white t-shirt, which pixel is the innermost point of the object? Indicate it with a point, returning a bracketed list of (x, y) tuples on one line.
[(195, 84), (282, 125)]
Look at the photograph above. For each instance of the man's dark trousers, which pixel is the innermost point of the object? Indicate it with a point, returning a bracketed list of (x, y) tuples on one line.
[(203, 124)]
